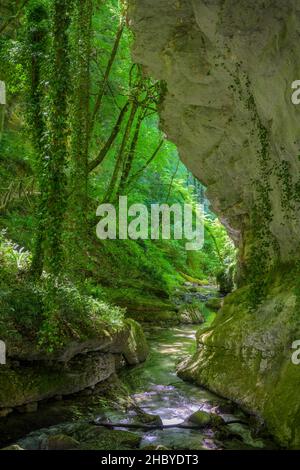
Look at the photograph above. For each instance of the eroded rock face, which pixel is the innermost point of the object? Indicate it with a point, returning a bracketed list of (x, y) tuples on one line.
[(36, 376), (34, 382), (228, 67), (247, 357), (107, 341)]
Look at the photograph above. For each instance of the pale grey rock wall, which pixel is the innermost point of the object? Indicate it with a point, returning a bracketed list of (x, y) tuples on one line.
[(228, 67), (207, 52)]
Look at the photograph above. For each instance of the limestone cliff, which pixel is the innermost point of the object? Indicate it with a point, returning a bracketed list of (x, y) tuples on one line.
[(228, 66)]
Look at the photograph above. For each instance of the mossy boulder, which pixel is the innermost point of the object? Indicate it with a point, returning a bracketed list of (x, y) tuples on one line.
[(146, 418), (245, 434), (136, 350), (191, 314), (203, 419), (108, 340), (112, 440), (61, 442), (99, 438), (80, 435)]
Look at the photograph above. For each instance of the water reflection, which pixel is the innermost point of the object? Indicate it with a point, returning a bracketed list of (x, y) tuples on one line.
[(157, 389)]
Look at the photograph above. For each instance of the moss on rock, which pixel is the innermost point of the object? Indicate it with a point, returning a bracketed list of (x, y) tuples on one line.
[(136, 349), (214, 303), (35, 382), (61, 442), (246, 356)]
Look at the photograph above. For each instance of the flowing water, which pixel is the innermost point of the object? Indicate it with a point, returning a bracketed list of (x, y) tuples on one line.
[(156, 389)]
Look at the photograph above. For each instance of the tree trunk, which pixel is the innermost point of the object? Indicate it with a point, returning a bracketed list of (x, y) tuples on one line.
[(59, 130)]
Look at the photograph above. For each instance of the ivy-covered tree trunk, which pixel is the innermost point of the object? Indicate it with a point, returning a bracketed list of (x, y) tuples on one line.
[(59, 132), (78, 203), (37, 41), (81, 114)]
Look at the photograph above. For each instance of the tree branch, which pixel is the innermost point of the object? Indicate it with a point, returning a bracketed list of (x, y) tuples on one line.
[(183, 425), (131, 153), (99, 159), (172, 180), (141, 170), (106, 75)]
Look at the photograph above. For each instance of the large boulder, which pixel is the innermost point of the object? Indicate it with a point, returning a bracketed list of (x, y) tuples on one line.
[(191, 314), (60, 442), (136, 349), (204, 419), (227, 69)]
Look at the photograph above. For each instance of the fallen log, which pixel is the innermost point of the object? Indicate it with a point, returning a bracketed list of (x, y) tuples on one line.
[(151, 427)]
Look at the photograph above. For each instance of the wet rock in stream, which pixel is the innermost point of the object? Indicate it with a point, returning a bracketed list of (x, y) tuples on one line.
[(203, 418), (80, 435)]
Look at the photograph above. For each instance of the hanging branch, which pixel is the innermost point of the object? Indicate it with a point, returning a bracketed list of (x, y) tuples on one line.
[(172, 180), (106, 75), (109, 88), (104, 150), (115, 179), (141, 170), (131, 153)]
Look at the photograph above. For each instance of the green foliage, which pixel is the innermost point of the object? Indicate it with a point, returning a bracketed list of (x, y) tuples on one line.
[(76, 98), (48, 311)]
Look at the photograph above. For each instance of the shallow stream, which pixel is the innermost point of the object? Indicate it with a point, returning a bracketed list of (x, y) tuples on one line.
[(156, 389)]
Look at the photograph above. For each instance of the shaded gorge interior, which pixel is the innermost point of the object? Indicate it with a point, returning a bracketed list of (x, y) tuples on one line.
[(129, 344)]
